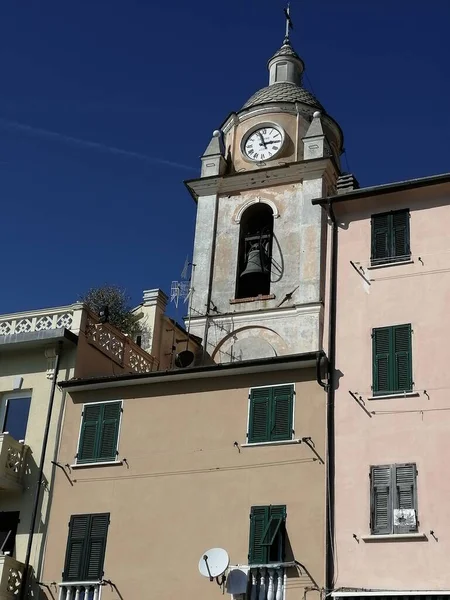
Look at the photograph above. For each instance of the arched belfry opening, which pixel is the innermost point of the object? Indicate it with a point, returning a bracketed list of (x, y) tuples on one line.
[(255, 252)]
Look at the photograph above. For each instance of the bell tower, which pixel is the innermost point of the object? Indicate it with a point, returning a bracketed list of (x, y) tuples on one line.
[(258, 288)]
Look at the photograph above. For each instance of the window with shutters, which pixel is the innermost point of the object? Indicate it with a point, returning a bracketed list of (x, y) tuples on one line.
[(99, 433), (393, 499), (392, 359), (86, 546), (390, 237), (271, 414), (267, 534)]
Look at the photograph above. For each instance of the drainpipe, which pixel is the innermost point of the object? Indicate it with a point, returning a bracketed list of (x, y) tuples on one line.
[(37, 495), (330, 462)]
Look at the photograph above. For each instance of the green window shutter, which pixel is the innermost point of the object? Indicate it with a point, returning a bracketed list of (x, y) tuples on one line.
[(400, 234), (276, 551), (75, 552), (90, 431), (259, 415), (96, 546), (281, 412), (380, 238), (405, 494), (381, 500), (382, 360), (109, 431), (402, 358), (259, 518)]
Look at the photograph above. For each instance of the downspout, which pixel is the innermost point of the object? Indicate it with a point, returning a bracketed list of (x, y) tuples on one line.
[(37, 495), (210, 282), (330, 462)]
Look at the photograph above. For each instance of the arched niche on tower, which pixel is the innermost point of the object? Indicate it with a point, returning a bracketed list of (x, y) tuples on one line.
[(249, 342), (253, 274)]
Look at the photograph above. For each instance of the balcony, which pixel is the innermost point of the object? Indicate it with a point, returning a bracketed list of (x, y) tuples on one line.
[(33, 321), (11, 572), (118, 347), (12, 463), (262, 582), (79, 590)]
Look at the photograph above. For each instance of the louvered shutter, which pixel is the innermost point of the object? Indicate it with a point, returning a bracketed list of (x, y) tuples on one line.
[(406, 493), (400, 235), (402, 357), (281, 413), (382, 360), (90, 432), (259, 415), (109, 431), (381, 500), (380, 238), (276, 551), (96, 547), (76, 549), (259, 518)]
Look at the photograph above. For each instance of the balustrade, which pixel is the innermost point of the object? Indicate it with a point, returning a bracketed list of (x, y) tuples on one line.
[(266, 583), (11, 571), (79, 590), (53, 318), (119, 347), (12, 462)]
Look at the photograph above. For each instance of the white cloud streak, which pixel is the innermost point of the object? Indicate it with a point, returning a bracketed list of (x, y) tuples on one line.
[(68, 139)]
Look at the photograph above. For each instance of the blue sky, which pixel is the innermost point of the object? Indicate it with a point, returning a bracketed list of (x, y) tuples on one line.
[(106, 106)]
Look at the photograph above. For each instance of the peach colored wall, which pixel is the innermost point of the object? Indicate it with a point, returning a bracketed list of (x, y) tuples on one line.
[(402, 429), (186, 488)]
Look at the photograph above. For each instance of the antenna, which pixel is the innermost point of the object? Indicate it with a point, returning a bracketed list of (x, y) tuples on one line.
[(184, 289), (213, 563)]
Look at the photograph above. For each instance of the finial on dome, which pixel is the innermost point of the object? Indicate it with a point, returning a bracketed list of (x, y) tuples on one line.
[(289, 24)]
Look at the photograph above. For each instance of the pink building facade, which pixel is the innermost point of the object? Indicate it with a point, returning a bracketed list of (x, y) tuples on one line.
[(392, 401)]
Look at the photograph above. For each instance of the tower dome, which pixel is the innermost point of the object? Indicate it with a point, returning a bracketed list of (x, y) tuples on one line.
[(285, 80)]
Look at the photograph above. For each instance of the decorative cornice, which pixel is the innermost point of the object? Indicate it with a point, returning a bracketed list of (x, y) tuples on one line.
[(256, 179)]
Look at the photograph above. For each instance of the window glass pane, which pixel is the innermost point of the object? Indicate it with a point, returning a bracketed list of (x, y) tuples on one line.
[(8, 529), (16, 418)]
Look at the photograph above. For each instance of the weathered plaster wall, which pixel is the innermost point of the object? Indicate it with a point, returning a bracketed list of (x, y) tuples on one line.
[(186, 487), (296, 269), (32, 366), (397, 430)]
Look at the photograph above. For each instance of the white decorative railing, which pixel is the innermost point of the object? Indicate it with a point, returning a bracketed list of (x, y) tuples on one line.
[(266, 583), (11, 571), (79, 590), (119, 347), (12, 461), (41, 320)]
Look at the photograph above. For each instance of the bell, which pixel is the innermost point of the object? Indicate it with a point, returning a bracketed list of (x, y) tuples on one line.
[(254, 266)]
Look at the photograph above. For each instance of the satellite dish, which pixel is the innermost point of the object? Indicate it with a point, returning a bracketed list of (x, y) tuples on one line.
[(213, 563), (237, 582), (184, 359)]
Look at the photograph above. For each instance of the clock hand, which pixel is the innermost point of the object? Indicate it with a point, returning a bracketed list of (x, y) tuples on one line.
[(262, 140)]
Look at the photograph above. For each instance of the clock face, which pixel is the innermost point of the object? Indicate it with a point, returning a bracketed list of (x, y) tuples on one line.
[(264, 143)]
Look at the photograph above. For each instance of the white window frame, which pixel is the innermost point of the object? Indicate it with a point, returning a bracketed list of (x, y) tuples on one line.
[(99, 463), (5, 397), (293, 439)]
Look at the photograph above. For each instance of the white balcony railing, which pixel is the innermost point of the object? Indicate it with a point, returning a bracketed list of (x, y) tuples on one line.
[(12, 462), (79, 590), (67, 317), (266, 583), (257, 582), (11, 571)]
